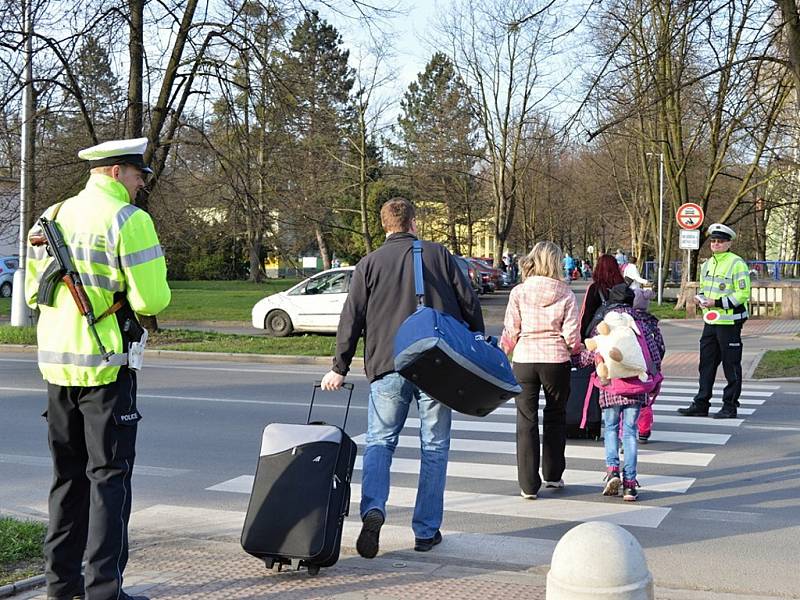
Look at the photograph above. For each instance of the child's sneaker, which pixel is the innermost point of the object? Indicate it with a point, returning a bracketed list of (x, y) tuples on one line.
[(612, 482), (629, 493)]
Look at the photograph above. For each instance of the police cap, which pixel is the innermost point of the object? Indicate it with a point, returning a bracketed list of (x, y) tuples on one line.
[(718, 231), (117, 152)]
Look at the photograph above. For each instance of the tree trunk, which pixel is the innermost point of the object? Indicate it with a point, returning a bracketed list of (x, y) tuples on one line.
[(133, 125), (324, 252)]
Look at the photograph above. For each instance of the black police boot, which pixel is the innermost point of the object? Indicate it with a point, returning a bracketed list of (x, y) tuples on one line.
[(693, 410)]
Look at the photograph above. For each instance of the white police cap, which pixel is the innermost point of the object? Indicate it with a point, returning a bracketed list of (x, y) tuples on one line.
[(117, 152), (718, 231)]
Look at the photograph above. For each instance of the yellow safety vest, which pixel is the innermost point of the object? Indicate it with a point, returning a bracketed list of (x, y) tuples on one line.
[(115, 248), (725, 279)]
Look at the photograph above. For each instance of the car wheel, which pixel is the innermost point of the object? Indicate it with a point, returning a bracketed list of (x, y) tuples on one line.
[(278, 323), (5, 290)]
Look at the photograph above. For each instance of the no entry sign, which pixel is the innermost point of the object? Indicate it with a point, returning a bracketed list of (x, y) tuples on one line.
[(690, 216)]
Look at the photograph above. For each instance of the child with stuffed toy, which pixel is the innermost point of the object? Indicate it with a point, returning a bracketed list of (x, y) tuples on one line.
[(627, 348)]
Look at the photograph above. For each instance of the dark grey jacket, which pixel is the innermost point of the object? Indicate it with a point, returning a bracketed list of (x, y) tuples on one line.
[(382, 296)]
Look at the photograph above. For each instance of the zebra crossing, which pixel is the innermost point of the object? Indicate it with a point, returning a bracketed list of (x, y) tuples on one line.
[(482, 476)]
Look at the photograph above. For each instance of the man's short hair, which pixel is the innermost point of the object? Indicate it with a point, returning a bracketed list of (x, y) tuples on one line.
[(397, 214)]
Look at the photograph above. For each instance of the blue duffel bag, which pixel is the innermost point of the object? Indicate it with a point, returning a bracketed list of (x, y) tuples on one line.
[(440, 355)]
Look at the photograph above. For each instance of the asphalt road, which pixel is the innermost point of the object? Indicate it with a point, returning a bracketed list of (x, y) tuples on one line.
[(719, 510)]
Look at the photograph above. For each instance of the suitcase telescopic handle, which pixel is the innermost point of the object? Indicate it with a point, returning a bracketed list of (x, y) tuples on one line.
[(318, 386)]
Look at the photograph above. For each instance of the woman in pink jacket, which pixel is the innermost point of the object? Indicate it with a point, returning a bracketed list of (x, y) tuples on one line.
[(542, 329)]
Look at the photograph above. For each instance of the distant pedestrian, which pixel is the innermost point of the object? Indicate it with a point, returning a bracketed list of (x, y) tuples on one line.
[(569, 266), (541, 328), (630, 272), (724, 297), (382, 295), (620, 257)]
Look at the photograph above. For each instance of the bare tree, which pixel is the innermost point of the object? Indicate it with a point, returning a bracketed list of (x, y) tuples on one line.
[(499, 48)]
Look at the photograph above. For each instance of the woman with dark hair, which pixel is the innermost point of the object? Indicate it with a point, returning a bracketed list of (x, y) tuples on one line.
[(605, 276)]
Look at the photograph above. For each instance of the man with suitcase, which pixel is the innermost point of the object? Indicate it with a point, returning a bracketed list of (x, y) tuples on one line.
[(381, 297)]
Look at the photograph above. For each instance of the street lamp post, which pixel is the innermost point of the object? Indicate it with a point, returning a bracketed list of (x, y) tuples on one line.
[(660, 283), (20, 313)]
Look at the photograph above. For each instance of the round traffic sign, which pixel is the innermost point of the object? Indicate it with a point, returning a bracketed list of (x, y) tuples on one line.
[(690, 216)]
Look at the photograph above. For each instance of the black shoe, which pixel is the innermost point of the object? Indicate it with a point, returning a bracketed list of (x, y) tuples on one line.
[(367, 543), (693, 410), (79, 595), (644, 437), (425, 544), (125, 596), (629, 493), (613, 483), (725, 413)]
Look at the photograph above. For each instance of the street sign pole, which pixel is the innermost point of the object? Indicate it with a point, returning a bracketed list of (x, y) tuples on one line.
[(660, 227)]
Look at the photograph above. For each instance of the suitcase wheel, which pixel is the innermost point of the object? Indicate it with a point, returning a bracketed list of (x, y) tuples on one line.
[(313, 570), (269, 562)]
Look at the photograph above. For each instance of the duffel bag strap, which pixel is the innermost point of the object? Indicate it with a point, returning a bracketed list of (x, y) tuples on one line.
[(419, 282)]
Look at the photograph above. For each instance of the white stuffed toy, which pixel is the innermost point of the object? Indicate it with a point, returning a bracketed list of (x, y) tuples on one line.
[(619, 348)]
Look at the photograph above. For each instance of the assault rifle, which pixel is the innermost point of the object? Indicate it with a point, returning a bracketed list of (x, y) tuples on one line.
[(63, 269)]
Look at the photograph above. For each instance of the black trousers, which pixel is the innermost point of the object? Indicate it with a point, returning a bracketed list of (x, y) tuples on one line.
[(720, 344), (92, 436), (555, 379)]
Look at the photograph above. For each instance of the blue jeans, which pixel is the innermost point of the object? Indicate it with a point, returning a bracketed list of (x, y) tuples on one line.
[(630, 434), (389, 399)]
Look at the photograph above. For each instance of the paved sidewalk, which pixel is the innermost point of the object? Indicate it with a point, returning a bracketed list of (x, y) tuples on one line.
[(181, 568)]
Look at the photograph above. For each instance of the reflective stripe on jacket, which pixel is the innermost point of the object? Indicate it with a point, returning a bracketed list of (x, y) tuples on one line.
[(725, 279), (114, 248)]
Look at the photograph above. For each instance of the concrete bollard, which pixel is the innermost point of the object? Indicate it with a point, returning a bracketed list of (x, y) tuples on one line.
[(599, 560)]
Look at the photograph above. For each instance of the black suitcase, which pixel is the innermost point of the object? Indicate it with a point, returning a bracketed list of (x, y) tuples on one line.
[(301, 493), (579, 383)]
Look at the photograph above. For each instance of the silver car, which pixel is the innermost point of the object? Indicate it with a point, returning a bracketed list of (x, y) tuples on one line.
[(8, 264)]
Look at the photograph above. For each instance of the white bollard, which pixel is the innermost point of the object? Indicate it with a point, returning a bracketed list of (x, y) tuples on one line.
[(599, 560)]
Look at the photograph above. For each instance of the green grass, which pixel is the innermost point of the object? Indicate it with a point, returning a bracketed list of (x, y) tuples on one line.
[(218, 300), (666, 310), (208, 300), (779, 363), (17, 335), (20, 549), (201, 341)]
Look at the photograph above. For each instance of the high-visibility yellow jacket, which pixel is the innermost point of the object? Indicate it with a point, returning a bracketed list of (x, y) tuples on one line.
[(725, 279), (115, 248)]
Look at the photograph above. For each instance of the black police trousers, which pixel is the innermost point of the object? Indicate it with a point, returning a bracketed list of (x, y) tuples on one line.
[(721, 344), (92, 436)]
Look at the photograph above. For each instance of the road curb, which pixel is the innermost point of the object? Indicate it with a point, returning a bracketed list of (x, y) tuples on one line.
[(21, 586)]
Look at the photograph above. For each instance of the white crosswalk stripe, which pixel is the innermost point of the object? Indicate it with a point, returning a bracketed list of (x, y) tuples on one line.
[(482, 474)]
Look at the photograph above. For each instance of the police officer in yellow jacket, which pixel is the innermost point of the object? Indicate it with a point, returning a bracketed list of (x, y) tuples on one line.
[(92, 415), (724, 296)]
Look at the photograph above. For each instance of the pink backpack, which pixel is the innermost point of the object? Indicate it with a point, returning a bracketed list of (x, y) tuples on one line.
[(628, 386)]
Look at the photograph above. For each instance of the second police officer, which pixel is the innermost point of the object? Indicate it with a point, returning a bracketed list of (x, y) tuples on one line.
[(724, 296)]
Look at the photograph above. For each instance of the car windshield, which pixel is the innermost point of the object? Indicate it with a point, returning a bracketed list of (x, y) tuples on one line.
[(327, 283)]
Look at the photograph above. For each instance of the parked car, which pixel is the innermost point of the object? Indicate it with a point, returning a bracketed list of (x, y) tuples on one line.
[(314, 304), (490, 277), (471, 273), (8, 264)]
